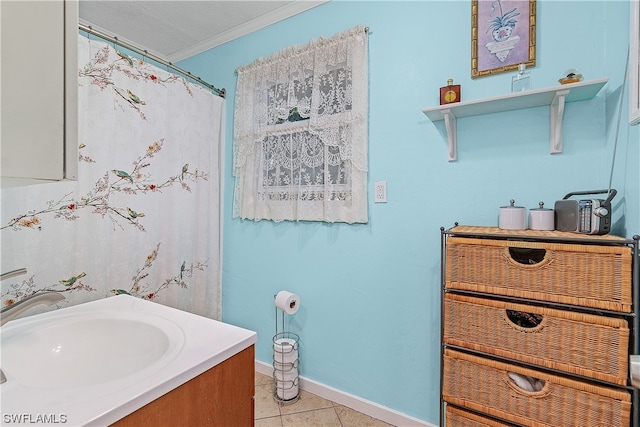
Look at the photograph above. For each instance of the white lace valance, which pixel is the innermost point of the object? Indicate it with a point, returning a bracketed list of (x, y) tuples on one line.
[(300, 133)]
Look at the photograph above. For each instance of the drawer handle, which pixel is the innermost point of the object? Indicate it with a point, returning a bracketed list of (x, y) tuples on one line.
[(526, 384), (527, 256), (524, 321)]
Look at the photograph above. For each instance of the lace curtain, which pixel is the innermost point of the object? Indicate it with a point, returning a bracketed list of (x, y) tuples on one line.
[(300, 133)]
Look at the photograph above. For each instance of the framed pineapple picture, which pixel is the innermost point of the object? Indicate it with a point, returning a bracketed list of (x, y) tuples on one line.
[(634, 64), (503, 35)]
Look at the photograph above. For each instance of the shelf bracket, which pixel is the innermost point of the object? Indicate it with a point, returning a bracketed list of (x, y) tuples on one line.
[(556, 112), (450, 124)]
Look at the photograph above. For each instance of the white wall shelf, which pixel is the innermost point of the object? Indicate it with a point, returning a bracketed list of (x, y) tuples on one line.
[(555, 97)]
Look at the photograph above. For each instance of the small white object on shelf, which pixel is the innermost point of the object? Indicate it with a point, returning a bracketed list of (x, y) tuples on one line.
[(555, 97), (521, 81)]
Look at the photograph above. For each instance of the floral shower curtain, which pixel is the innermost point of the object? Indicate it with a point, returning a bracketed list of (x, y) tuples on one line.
[(143, 217)]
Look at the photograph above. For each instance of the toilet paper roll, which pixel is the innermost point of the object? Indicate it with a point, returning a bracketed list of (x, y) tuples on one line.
[(287, 302), (285, 350), (285, 366), (287, 390), (290, 375), (286, 345)]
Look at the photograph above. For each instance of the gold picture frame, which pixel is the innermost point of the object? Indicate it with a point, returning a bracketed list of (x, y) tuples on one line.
[(503, 35)]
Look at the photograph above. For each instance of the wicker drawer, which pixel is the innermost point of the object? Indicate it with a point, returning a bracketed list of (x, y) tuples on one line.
[(485, 385), (584, 275), (457, 417), (578, 343)]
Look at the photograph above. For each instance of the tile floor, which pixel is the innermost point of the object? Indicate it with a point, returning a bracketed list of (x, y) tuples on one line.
[(309, 410)]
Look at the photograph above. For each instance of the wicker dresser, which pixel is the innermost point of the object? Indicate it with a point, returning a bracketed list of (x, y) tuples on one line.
[(537, 328)]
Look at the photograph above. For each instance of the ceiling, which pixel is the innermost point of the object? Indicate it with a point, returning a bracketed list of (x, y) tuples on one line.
[(177, 29)]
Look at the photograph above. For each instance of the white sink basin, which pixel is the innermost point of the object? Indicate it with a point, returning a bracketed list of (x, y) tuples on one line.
[(92, 364), (87, 349)]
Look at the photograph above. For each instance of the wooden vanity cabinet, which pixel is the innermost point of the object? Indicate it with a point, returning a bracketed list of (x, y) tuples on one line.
[(220, 397)]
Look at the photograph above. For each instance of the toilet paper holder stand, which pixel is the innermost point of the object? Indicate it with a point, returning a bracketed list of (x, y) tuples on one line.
[(285, 364)]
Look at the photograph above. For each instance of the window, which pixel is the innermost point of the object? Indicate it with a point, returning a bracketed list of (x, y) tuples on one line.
[(300, 133)]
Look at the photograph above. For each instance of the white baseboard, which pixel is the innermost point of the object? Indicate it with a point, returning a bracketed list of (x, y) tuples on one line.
[(349, 400)]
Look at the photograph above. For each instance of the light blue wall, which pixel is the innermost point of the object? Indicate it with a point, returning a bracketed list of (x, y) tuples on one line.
[(370, 315)]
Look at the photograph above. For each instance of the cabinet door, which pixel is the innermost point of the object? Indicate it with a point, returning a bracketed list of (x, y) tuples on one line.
[(33, 89)]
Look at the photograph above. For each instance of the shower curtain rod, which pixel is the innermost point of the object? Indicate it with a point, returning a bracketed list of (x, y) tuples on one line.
[(88, 29)]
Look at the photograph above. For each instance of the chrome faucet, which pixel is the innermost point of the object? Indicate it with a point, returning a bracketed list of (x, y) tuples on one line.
[(13, 273), (14, 310)]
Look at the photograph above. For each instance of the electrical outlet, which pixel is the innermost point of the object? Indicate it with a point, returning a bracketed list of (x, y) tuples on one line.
[(380, 192)]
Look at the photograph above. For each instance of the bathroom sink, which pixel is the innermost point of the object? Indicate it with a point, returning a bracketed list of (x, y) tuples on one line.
[(94, 363), (86, 350)]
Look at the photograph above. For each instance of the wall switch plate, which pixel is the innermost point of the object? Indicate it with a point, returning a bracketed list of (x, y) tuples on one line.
[(380, 189)]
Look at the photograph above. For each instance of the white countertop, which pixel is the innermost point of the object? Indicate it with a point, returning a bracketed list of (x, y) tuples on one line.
[(201, 343)]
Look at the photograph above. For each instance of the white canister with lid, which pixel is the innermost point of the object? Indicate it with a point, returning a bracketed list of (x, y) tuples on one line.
[(513, 217), (541, 218)]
